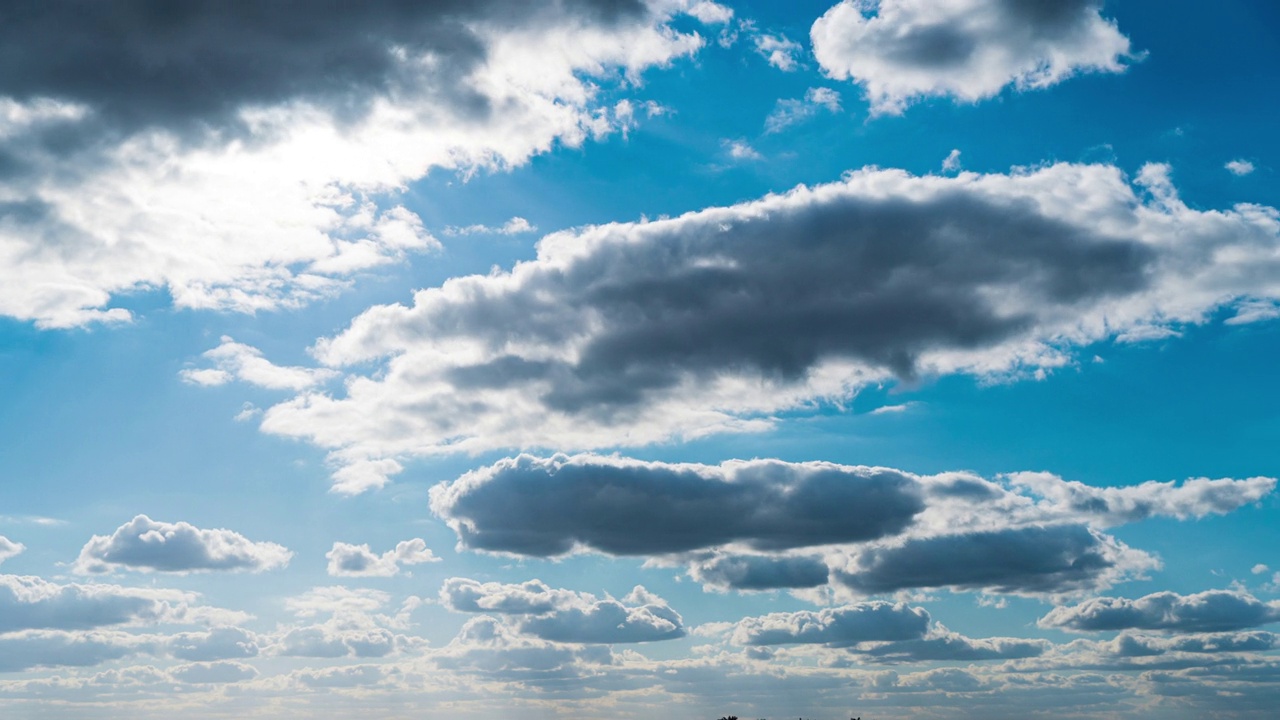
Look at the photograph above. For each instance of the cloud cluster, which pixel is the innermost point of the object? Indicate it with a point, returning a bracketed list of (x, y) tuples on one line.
[(147, 545), (243, 157), (346, 560), (627, 334), (768, 524), (565, 616), (901, 51), (1212, 611)]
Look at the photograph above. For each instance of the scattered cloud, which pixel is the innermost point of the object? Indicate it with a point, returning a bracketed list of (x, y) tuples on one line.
[(740, 150), (566, 616), (1194, 498), (952, 162), (10, 549), (903, 51), (515, 226), (790, 112), (1210, 611), (835, 627), (780, 51), (1240, 168), (237, 361), (146, 545), (634, 333), (346, 560)]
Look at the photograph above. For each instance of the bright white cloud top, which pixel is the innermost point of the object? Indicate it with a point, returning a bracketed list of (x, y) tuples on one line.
[(149, 546)]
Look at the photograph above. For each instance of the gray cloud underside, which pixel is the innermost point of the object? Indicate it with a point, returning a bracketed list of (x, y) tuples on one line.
[(1211, 611), (189, 65), (1053, 559), (835, 627), (145, 544), (550, 507)]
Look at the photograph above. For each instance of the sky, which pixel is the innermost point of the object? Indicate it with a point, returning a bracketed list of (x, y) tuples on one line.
[(889, 359)]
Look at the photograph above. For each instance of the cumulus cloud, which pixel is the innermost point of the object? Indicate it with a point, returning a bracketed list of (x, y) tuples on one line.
[(901, 51), (213, 673), (147, 545), (56, 648), (779, 50), (488, 648), (944, 645), (1240, 168), (792, 111), (835, 627), (628, 507), (346, 560), (350, 625), (9, 548), (237, 361), (758, 572), (565, 616), (245, 158), (628, 334), (219, 643), (1210, 611)]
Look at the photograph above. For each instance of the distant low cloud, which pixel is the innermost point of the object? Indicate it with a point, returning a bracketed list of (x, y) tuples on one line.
[(1211, 611), (835, 627), (346, 560), (566, 616), (147, 545), (903, 51), (634, 333), (32, 603)]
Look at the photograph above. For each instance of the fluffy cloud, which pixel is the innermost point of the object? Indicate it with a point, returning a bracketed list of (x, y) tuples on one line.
[(627, 507), (237, 361), (243, 158), (780, 51), (758, 572), (1194, 498), (566, 616), (835, 627), (350, 625), (219, 643), (9, 548), (31, 603), (347, 560), (146, 545), (1211, 611), (56, 648), (628, 334), (1240, 168), (900, 51)]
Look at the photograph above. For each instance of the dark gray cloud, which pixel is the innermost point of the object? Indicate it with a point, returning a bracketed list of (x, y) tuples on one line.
[(1210, 611), (147, 545), (190, 64), (532, 506), (835, 627), (759, 572), (1129, 645), (1053, 559)]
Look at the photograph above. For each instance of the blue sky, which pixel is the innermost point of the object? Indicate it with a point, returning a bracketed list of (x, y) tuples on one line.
[(657, 358)]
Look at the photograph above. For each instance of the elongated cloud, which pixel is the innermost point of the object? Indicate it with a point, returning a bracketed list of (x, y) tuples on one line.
[(1210, 611), (835, 627), (901, 51), (243, 157), (147, 545), (32, 603), (632, 508), (1192, 498), (629, 334), (566, 616), (346, 560), (9, 548)]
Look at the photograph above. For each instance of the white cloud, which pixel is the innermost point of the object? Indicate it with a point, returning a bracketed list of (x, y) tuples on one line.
[(633, 333), (710, 13), (789, 112), (952, 162), (237, 361), (147, 545), (740, 150), (780, 51), (514, 226), (32, 603), (902, 51), (346, 560), (1210, 611), (354, 627), (9, 548), (244, 196), (1240, 168), (1194, 498)]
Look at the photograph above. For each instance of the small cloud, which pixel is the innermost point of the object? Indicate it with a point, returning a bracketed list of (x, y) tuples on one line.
[(789, 112), (780, 51), (237, 361), (893, 409), (1260, 569), (9, 548), (346, 560), (1240, 168), (248, 411), (740, 150), (518, 225), (710, 13), (952, 162)]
